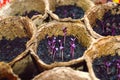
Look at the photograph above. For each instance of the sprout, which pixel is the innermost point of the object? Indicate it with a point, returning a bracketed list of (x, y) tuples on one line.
[(55, 51), (65, 33), (108, 25), (61, 49), (49, 44), (72, 47), (118, 66), (108, 64), (53, 44)]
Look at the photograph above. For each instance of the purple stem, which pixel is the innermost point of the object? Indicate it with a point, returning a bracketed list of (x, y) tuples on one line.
[(49, 44), (53, 44), (61, 49), (118, 66), (72, 47), (56, 49), (108, 64), (65, 33)]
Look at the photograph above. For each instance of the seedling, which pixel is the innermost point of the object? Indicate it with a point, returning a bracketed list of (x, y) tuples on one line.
[(107, 67), (53, 48), (108, 25), (61, 49), (72, 47), (65, 33)]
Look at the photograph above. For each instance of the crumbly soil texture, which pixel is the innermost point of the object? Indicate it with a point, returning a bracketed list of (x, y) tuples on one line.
[(29, 14), (9, 49), (69, 11), (47, 57), (109, 25), (107, 67)]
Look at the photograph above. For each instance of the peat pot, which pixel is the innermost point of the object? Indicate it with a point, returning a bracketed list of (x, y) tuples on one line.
[(103, 58), (68, 10), (103, 20), (62, 73), (6, 72), (16, 36), (23, 8), (60, 44)]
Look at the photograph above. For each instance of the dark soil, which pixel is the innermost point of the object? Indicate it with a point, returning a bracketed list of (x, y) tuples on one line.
[(109, 25), (30, 14), (47, 57), (107, 67), (9, 49), (31, 69), (69, 11), (82, 66)]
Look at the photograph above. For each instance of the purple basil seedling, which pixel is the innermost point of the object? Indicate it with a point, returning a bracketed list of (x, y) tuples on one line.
[(108, 64), (61, 49), (65, 33), (49, 44), (55, 51), (72, 47), (109, 24)]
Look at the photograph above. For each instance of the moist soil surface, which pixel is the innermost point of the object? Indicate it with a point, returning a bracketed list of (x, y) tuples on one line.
[(109, 25), (47, 57), (69, 11), (107, 67), (29, 14), (9, 49)]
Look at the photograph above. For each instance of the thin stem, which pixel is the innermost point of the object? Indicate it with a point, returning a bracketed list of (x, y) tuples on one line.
[(65, 33), (61, 49), (72, 47), (55, 51)]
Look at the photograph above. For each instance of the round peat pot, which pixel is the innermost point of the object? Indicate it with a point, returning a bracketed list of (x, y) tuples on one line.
[(103, 58), (68, 9), (60, 44), (62, 73), (16, 36), (6, 72), (103, 20), (23, 8)]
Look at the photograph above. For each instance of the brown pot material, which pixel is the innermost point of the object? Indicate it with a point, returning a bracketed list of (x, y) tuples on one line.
[(16, 36), (96, 13), (6, 72), (38, 20), (77, 30), (99, 1), (23, 8), (52, 4), (102, 47), (15, 29), (62, 73)]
